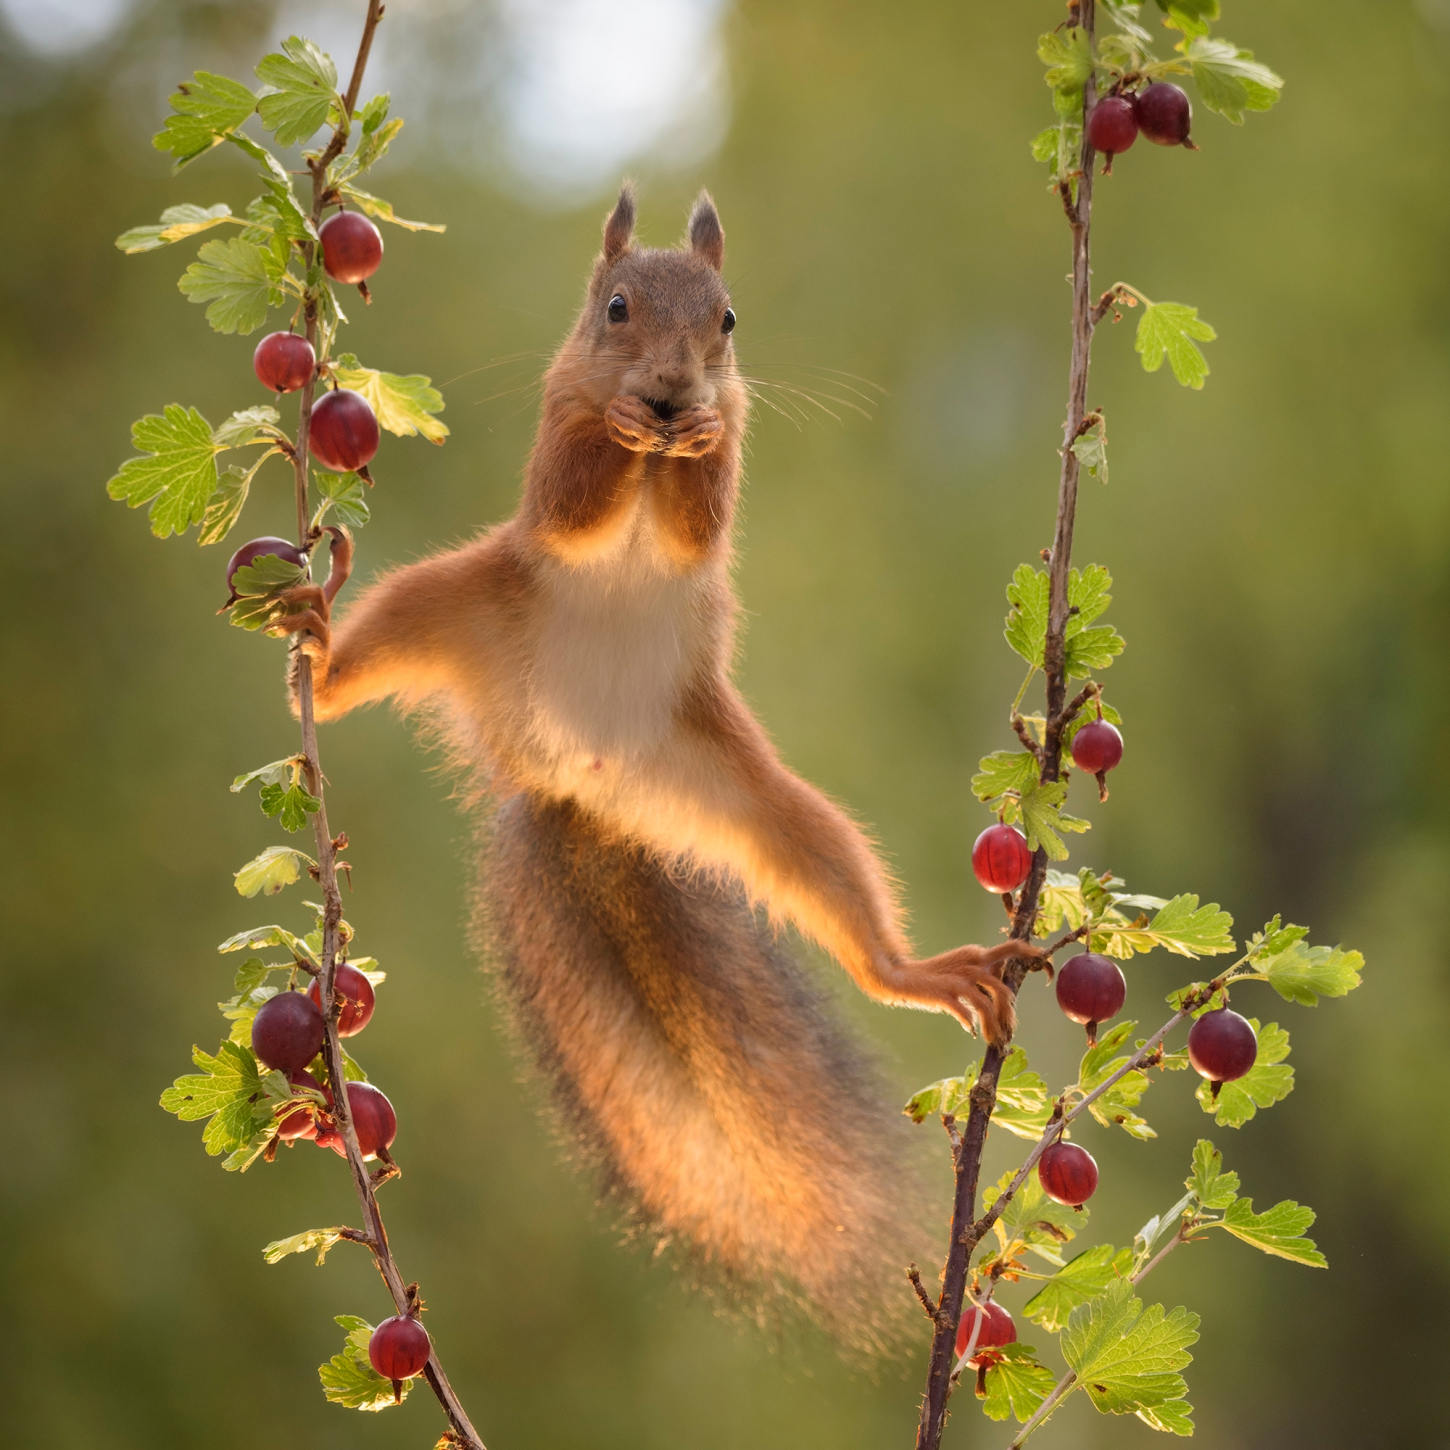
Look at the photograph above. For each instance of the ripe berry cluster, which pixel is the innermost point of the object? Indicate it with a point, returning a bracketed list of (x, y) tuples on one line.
[(343, 435), (1161, 111)]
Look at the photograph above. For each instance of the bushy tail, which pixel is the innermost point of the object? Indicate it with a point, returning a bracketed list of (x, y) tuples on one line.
[(701, 1071)]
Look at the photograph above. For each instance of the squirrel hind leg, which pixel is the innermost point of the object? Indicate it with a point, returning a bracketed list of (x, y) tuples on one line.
[(703, 1073)]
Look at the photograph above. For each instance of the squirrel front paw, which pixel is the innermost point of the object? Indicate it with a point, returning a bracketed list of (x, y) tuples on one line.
[(694, 432), (633, 424), (310, 614)]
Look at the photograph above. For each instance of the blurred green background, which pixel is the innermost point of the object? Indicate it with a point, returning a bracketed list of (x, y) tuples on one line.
[(1280, 546)]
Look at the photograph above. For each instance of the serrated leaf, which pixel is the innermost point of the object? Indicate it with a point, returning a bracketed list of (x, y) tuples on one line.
[(1267, 1082), (404, 405), (1022, 1105), (238, 279), (1169, 329), (1279, 1231), (1091, 450), (1209, 1183), (270, 936), (290, 804), (1044, 145), (266, 575), (1026, 628), (306, 90), (1125, 1356), (1080, 1279), (321, 1239), (1087, 648), (1229, 80), (382, 211), (178, 472), (346, 495), (1115, 1107), (1016, 1384), (209, 107), (231, 1093), (267, 874), (271, 774), (252, 973), (1032, 1219), (349, 1379), (1004, 770), (1124, 15), (177, 223), (1068, 56), (1181, 926), (1039, 812), (1174, 1417), (224, 507), (247, 426), (1303, 974)]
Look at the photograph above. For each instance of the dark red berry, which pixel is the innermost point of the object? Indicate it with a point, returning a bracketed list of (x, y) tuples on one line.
[(357, 998), (1113, 125), (344, 431), (373, 1120), (997, 1329), (1091, 989), (283, 361), (302, 1123), (1097, 747), (1165, 114), (352, 247), (1068, 1174), (399, 1348), (258, 548), (1222, 1046), (287, 1033), (1000, 858)]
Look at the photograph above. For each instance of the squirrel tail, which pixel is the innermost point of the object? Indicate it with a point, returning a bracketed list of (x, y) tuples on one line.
[(698, 1068)]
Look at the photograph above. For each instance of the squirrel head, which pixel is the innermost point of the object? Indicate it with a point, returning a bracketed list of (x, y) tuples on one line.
[(657, 323)]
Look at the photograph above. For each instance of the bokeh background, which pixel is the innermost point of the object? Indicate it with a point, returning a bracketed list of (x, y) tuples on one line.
[(1280, 545)]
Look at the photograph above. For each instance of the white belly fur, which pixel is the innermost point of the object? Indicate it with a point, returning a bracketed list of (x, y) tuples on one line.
[(617, 639)]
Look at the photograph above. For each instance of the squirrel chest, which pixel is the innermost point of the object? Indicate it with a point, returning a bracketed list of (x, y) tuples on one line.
[(614, 642)]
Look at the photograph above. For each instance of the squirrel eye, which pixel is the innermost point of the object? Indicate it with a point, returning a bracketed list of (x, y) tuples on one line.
[(618, 312), (728, 325)]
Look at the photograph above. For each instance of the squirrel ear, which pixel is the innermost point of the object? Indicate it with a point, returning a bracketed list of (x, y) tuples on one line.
[(619, 227), (707, 236)]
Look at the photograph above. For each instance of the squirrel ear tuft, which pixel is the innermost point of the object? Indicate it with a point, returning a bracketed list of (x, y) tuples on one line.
[(619, 227), (707, 236)]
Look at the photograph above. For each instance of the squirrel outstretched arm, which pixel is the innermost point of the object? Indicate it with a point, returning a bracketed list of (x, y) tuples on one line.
[(588, 640)]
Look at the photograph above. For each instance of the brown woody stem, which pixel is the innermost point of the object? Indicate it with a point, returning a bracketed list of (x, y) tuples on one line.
[(374, 1235), (965, 1233)]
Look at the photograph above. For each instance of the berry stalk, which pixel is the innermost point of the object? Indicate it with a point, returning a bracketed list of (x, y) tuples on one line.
[(461, 1429)]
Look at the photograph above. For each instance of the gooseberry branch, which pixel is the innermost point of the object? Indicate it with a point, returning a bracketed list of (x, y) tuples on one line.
[(965, 1232), (376, 1238)]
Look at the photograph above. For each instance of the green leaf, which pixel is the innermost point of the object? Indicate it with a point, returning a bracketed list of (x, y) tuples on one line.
[(177, 223), (1004, 770), (404, 405), (240, 281), (1279, 1231), (1039, 810), (1168, 329), (349, 1379), (271, 774), (1209, 1183), (1068, 56), (1032, 1219), (248, 426), (266, 575), (1091, 449), (290, 804), (1022, 1105), (1124, 15), (270, 936), (1080, 1279), (253, 972), (1127, 1357), (267, 874), (1026, 628), (382, 211), (306, 90), (1303, 974), (225, 506), (1173, 1417), (1266, 1082), (345, 494), (178, 471), (1192, 17), (1044, 145), (1229, 80), (374, 113), (1115, 1107), (1087, 648), (321, 1239), (1016, 1384), (209, 107), (232, 1094), (1181, 925)]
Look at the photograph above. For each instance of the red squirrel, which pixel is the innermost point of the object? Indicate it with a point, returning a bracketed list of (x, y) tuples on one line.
[(581, 654)]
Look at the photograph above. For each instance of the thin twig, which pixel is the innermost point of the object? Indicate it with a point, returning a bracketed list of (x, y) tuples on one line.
[(914, 1274), (1025, 736), (1078, 208), (375, 1236)]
